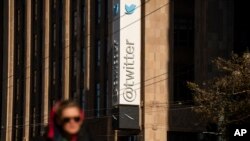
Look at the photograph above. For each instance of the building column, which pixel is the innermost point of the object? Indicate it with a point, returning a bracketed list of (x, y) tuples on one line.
[(156, 69), (66, 49), (46, 63), (10, 71), (27, 69), (87, 36), (88, 42)]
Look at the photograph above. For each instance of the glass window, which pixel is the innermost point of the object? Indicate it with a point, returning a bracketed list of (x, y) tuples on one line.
[(241, 27), (36, 45), (83, 99), (98, 53), (183, 48), (83, 60), (75, 23), (99, 10), (54, 4), (18, 54), (34, 122), (36, 10), (35, 81), (16, 127), (98, 92), (54, 73), (18, 20), (75, 63), (107, 97), (54, 35), (17, 89)]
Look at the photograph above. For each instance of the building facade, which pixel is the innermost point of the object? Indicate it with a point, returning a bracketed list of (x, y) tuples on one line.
[(63, 49)]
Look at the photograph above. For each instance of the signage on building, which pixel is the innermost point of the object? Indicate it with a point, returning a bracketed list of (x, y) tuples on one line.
[(126, 71)]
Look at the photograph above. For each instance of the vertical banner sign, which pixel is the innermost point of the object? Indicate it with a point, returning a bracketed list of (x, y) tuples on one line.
[(126, 71)]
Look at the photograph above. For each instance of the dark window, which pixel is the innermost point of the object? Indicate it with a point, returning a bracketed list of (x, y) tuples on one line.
[(83, 56), (83, 60), (241, 27), (107, 98), (1, 54), (100, 66), (56, 50), (36, 67), (35, 82), (1, 50), (54, 73), (75, 22), (75, 64), (129, 138), (18, 88), (98, 100), (183, 48), (83, 103), (99, 11), (19, 59), (77, 48), (190, 136), (18, 54), (98, 53)]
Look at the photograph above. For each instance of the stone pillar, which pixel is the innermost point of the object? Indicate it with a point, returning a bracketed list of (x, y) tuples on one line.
[(46, 63), (87, 43), (156, 57), (88, 67), (10, 71), (66, 49), (27, 68)]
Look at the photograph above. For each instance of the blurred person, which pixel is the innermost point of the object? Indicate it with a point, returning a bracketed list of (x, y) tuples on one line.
[(65, 123)]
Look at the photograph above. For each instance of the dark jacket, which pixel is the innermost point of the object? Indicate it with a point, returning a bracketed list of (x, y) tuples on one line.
[(80, 138), (84, 135)]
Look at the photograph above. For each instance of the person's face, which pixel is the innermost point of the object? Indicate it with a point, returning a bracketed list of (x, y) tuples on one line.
[(71, 121)]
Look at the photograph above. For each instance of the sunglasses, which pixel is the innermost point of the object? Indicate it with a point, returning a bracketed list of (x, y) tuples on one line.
[(68, 119)]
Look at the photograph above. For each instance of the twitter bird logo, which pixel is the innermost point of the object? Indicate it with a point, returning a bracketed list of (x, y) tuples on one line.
[(130, 9)]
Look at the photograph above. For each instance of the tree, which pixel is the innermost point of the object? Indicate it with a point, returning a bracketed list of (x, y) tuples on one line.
[(225, 99)]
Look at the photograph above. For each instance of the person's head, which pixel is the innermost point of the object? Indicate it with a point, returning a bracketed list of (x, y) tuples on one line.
[(69, 117)]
